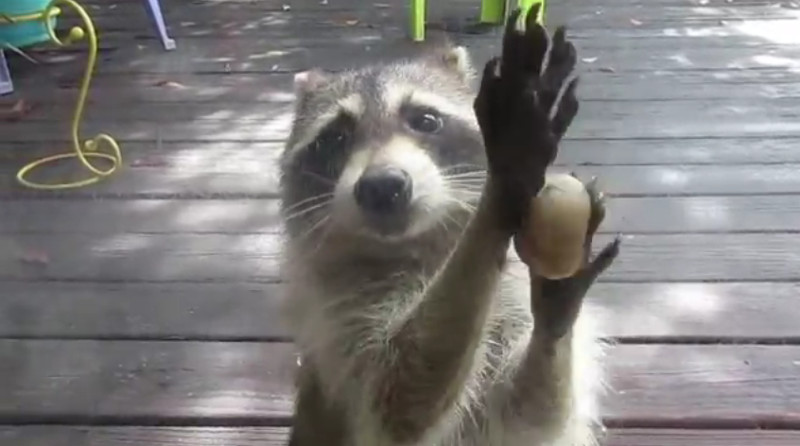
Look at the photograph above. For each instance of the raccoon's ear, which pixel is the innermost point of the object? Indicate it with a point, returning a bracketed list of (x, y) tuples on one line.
[(309, 80), (456, 59)]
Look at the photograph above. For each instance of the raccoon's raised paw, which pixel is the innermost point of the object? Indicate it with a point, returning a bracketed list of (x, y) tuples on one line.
[(524, 106), (557, 303)]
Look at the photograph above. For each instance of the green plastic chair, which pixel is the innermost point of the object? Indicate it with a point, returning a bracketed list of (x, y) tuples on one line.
[(492, 12)]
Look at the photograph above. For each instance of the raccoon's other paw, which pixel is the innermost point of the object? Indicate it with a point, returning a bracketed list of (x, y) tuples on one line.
[(525, 104), (557, 303)]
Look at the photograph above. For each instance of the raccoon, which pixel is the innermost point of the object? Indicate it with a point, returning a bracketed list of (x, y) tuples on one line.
[(401, 191)]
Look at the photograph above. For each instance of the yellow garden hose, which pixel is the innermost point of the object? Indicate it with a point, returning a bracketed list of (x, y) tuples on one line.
[(89, 149)]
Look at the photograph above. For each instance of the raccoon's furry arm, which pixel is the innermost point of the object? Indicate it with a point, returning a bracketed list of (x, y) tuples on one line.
[(316, 420), (541, 395), (431, 353)]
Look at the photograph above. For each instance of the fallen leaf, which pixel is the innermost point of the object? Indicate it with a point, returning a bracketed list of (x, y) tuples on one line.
[(607, 70), (34, 257), (635, 22), (287, 7), (150, 161), (171, 84), (589, 59), (16, 112), (351, 22)]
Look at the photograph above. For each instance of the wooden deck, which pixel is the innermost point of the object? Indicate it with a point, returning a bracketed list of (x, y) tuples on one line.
[(142, 310)]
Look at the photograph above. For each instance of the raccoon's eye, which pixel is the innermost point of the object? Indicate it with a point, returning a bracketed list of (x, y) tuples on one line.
[(425, 121)]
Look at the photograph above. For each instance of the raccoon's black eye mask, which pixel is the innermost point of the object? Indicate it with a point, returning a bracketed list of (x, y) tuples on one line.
[(325, 157), (335, 136)]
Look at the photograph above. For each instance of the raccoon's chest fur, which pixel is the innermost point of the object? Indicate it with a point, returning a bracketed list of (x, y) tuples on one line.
[(331, 334)]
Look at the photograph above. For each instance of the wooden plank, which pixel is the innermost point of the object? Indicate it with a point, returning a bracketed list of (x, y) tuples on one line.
[(272, 120), (250, 258), (352, 25), (152, 436), (712, 151), (143, 383), (631, 215), (358, 28), (730, 312), (235, 19), (141, 311), (142, 257), (702, 214), (227, 173), (108, 217), (661, 151), (228, 56), (584, 15), (705, 385), (685, 437), (277, 436), (140, 90), (761, 312), (600, 119)]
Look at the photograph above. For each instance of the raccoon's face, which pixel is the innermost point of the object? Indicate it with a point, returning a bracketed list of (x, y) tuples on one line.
[(387, 152)]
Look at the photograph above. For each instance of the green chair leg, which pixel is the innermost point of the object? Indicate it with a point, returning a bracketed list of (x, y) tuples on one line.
[(493, 11), (418, 20)]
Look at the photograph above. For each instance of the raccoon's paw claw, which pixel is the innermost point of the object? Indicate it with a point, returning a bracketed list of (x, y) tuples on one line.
[(525, 104), (598, 207), (557, 303)]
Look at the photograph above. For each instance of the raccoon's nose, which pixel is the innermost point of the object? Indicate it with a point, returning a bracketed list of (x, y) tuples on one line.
[(383, 189)]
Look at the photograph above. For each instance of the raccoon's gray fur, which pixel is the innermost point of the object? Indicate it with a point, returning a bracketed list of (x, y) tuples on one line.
[(403, 341)]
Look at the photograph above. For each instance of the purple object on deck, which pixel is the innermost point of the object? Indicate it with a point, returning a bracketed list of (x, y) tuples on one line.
[(161, 26), (6, 86)]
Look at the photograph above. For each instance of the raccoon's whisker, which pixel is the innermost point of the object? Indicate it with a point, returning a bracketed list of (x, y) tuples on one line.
[(471, 191), (450, 218), (477, 185), (307, 200), (307, 210), (319, 224), (469, 180), (472, 167), (465, 175), (310, 231), (463, 204)]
